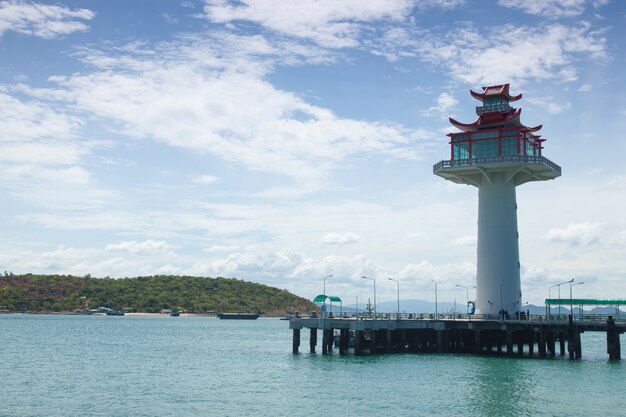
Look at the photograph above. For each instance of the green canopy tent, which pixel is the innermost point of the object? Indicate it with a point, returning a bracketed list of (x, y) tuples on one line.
[(587, 302), (322, 299)]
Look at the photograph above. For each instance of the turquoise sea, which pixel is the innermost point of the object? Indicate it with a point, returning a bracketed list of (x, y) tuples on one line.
[(55, 365)]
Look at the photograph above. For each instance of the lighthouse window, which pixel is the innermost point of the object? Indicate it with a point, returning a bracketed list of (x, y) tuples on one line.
[(461, 151), (509, 146), (484, 148), (484, 135)]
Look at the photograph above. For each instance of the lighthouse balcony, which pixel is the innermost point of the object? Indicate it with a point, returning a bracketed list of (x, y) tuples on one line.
[(517, 168), (531, 159)]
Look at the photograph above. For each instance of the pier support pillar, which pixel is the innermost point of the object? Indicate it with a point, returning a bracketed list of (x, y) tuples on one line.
[(324, 342), (388, 341), (571, 338), (541, 343), (327, 342), (551, 346), (344, 338), (359, 340), (313, 339), (613, 347), (439, 342), (509, 343), (477, 342), (562, 343), (296, 341), (372, 342)]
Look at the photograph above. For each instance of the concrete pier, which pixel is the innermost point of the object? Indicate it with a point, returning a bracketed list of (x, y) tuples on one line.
[(523, 338)]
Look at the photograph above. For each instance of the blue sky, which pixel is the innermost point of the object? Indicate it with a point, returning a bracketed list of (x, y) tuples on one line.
[(283, 141)]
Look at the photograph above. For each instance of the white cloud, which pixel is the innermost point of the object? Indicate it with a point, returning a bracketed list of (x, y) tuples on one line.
[(22, 120), (552, 8), (576, 234), (585, 87), (550, 104), (41, 20), (620, 239), (222, 248), (332, 24), (340, 238), (204, 179), (512, 53), (445, 104), (210, 96), (464, 241), (134, 247), (446, 276)]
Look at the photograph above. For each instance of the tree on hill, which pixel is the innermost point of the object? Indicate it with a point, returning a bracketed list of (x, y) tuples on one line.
[(31, 292)]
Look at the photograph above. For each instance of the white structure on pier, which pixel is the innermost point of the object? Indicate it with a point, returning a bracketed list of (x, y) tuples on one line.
[(497, 153)]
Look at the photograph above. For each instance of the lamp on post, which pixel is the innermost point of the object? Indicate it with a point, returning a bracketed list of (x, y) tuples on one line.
[(324, 292), (373, 279), (466, 297), (436, 312), (325, 278), (559, 286), (398, 285), (550, 297), (571, 307)]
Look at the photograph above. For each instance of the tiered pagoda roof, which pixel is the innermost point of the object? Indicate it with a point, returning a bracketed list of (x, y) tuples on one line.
[(495, 115), (495, 90)]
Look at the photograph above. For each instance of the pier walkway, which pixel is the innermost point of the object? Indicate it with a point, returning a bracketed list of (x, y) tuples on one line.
[(532, 336)]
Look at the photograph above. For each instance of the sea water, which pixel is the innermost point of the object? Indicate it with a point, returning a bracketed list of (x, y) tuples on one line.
[(55, 365)]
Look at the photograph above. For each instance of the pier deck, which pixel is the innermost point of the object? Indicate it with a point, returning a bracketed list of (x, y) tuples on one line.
[(536, 337)]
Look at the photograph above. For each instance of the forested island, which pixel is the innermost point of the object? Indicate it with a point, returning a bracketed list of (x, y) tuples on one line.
[(151, 294)]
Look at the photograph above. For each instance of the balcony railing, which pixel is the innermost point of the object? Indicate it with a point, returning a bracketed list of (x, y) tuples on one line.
[(455, 163)]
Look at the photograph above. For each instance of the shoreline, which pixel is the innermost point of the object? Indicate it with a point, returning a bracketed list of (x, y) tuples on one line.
[(137, 314)]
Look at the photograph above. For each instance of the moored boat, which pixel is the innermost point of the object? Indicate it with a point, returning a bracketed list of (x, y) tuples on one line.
[(115, 313), (238, 316)]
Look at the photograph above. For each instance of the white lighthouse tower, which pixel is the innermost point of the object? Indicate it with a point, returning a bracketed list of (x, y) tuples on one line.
[(496, 153)]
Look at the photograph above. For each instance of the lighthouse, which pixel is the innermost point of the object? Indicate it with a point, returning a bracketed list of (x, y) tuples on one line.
[(495, 154)]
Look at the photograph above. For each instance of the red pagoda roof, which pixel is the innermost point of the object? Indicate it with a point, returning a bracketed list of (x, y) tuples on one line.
[(495, 90), (499, 116)]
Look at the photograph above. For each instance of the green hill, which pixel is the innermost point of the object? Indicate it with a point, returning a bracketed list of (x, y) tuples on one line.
[(145, 294)]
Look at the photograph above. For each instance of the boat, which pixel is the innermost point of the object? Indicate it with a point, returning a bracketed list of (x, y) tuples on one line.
[(238, 316), (115, 313)]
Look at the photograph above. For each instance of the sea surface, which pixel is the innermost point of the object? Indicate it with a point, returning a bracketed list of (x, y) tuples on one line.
[(55, 365)]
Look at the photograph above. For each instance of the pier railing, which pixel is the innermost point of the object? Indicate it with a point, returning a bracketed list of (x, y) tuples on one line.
[(553, 318)]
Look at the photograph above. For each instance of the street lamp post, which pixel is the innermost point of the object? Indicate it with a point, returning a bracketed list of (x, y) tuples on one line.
[(373, 279), (571, 307), (398, 285), (325, 278), (436, 312), (559, 286), (549, 309), (466, 297)]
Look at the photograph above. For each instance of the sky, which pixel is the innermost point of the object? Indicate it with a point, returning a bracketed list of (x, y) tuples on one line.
[(280, 142)]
